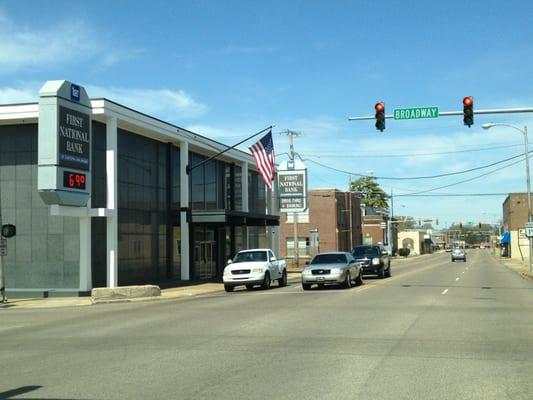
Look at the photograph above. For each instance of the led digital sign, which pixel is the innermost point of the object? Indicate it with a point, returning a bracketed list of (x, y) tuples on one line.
[(74, 180)]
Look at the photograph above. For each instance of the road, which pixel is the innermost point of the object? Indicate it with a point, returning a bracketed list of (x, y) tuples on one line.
[(435, 330)]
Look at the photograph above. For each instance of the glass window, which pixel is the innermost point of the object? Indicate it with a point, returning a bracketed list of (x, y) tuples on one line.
[(302, 217), (303, 249)]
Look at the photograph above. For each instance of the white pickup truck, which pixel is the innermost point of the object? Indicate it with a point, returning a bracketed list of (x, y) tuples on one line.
[(254, 267)]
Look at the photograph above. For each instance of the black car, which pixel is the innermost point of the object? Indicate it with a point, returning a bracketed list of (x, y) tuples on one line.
[(374, 258)]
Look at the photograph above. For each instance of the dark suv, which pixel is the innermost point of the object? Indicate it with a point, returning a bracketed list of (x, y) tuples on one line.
[(375, 259)]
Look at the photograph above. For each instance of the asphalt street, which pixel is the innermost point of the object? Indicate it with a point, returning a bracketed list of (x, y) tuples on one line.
[(435, 330)]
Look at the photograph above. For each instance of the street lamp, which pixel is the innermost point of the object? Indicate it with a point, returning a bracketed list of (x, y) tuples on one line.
[(526, 150)]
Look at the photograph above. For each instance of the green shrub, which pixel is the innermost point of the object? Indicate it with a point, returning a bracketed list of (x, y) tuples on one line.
[(404, 252)]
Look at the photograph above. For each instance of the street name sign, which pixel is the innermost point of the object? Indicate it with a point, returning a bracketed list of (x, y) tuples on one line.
[(529, 231), (416, 113)]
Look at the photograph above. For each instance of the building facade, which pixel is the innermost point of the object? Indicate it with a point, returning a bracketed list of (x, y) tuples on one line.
[(149, 220), (515, 211), (332, 222)]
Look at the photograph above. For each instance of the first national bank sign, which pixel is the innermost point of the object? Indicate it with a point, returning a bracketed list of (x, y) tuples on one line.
[(64, 145)]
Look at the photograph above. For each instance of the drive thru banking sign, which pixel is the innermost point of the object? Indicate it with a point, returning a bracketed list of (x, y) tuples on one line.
[(416, 113)]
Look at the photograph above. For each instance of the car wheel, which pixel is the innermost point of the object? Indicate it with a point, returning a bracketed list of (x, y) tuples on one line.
[(347, 284), (306, 286), (283, 280), (266, 281), (381, 272), (453, 260), (389, 273), (229, 288), (359, 281), (249, 287)]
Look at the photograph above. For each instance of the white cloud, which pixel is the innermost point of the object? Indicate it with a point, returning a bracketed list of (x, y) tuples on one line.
[(11, 95), (162, 103), (24, 47), (166, 104)]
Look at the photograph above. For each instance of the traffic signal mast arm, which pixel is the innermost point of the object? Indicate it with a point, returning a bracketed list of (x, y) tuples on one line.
[(449, 113)]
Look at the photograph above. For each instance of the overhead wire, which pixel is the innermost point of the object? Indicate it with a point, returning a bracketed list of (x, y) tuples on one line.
[(416, 177)]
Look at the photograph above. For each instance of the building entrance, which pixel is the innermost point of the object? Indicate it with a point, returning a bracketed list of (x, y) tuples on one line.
[(205, 253)]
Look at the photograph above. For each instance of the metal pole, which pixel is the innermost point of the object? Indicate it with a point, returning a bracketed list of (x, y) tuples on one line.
[(528, 197), (294, 215)]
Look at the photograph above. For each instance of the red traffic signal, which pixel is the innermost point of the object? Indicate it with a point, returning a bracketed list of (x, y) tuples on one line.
[(380, 116), (468, 111)]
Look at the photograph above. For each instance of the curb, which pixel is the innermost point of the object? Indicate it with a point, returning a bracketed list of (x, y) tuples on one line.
[(517, 269)]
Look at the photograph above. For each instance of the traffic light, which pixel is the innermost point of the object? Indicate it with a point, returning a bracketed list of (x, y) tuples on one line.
[(468, 110), (479, 224), (460, 225), (380, 116)]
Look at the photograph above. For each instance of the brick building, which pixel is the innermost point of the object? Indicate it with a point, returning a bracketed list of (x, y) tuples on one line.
[(515, 211), (332, 222)]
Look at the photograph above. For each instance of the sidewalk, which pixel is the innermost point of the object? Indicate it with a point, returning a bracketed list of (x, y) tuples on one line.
[(516, 265), (166, 294)]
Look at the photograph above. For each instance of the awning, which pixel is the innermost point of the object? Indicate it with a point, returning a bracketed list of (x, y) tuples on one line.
[(506, 237), (227, 217)]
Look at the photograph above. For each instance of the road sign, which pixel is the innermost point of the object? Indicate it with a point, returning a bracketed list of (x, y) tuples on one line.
[(529, 224), (529, 231), (416, 113)]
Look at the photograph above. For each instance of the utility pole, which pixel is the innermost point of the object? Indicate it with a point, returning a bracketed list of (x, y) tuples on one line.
[(296, 243)]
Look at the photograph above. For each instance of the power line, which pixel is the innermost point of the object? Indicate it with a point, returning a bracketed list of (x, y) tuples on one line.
[(418, 177), (466, 180), (411, 155)]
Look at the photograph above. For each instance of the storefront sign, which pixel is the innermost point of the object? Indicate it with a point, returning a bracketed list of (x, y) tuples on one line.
[(64, 144), (292, 186)]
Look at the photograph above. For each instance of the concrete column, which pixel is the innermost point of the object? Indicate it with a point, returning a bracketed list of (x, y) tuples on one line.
[(184, 200), (86, 283), (112, 185), (244, 187), (244, 196)]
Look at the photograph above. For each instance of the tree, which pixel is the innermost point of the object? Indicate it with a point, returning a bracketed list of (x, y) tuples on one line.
[(405, 223), (369, 191)]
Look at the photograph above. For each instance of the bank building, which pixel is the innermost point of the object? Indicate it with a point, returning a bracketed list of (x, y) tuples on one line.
[(104, 195)]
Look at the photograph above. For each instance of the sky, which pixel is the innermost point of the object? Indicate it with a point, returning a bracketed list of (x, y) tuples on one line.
[(228, 69)]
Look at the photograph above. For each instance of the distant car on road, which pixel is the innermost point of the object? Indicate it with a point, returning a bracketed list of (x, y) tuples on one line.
[(458, 254), (375, 259), (332, 268)]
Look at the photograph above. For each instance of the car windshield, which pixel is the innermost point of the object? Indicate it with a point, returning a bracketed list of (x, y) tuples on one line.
[(329, 259), (365, 251), (248, 256)]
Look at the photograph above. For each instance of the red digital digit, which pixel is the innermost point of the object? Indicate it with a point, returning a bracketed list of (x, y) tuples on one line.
[(71, 180)]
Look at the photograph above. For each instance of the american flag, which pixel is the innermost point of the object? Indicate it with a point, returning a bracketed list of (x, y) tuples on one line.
[(263, 152)]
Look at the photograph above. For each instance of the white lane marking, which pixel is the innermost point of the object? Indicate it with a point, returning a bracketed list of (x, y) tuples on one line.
[(445, 291), (456, 279)]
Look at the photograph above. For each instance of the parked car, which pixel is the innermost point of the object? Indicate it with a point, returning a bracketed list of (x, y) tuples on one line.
[(374, 258), (254, 267), (332, 268), (458, 254)]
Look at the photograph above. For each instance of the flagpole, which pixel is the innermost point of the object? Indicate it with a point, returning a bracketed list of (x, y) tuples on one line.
[(190, 168)]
